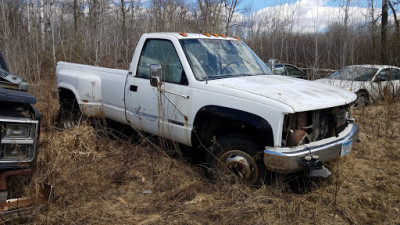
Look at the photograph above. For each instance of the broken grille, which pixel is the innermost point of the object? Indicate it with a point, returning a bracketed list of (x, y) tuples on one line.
[(305, 127)]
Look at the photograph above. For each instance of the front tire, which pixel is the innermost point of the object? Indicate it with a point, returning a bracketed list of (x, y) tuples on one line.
[(362, 99), (235, 156)]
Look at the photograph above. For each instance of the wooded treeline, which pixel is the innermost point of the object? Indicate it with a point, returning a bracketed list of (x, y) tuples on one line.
[(35, 34)]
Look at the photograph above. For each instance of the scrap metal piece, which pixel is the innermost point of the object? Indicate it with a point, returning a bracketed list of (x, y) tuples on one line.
[(323, 172), (315, 167), (21, 207)]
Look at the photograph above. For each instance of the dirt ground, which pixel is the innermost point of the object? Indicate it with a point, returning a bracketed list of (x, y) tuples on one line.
[(104, 180)]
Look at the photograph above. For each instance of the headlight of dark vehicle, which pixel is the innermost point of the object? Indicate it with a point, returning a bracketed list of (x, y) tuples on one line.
[(18, 141), (16, 152), (17, 130)]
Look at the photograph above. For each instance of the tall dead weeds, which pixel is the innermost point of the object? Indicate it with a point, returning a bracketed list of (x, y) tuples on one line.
[(102, 180)]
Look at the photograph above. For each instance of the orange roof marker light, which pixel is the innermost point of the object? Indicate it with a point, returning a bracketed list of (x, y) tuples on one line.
[(222, 35), (215, 35), (207, 34), (183, 34), (236, 37)]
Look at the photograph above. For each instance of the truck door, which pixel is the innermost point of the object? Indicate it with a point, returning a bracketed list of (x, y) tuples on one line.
[(161, 111)]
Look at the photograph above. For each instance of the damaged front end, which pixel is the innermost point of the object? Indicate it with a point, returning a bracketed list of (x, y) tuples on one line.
[(311, 138), (19, 137), (305, 127)]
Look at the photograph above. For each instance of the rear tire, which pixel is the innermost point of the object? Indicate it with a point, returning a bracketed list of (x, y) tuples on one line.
[(68, 115), (235, 156)]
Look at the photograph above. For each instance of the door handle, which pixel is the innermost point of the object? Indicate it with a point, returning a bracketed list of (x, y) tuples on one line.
[(133, 88)]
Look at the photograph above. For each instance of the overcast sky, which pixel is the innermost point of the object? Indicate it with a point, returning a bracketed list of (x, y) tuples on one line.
[(313, 15)]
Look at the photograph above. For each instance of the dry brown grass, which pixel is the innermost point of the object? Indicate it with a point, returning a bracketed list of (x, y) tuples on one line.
[(98, 180)]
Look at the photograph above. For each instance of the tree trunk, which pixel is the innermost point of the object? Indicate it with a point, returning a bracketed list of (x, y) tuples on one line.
[(75, 18), (396, 20), (231, 8), (42, 22), (384, 53), (123, 12)]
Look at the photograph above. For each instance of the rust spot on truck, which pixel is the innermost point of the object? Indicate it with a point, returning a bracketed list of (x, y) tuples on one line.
[(91, 95), (297, 132), (5, 175)]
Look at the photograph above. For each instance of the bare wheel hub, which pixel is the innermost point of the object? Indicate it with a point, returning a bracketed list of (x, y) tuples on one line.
[(241, 164)]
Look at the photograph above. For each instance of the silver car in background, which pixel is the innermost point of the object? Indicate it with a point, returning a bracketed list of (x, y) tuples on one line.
[(369, 82)]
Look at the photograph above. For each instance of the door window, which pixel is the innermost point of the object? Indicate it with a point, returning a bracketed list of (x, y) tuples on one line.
[(383, 75), (161, 52), (293, 70), (395, 74)]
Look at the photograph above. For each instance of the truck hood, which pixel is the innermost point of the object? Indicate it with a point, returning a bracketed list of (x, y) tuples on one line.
[(301, 95)]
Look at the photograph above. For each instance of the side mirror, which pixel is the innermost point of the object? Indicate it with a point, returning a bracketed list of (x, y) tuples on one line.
[(155, 75), (271, 64)]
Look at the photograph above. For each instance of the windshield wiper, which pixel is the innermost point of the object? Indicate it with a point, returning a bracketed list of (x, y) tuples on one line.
[(231, 76), (219, 77), (244, 75)]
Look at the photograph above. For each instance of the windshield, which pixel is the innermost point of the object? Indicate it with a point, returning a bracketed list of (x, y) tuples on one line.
[(214, 59), (354, 73)]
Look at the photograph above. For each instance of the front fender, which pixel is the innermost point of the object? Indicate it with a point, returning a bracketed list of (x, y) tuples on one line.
[(263, 127)]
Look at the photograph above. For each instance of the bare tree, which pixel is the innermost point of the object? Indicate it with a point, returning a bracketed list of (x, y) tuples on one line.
[(384, 25), (105, 32), (208, 14), (396, 20), (76, 16)]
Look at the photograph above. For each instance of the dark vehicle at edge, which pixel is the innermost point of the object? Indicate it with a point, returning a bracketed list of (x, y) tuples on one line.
[(286, 69), (20, 131)]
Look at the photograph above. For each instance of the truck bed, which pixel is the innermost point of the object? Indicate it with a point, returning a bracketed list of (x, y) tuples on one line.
[(99, 91)]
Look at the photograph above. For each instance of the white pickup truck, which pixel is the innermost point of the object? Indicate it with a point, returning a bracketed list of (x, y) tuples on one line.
[(212, 92)]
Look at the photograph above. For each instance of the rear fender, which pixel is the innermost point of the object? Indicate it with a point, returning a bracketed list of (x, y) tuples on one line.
[(87, 93)]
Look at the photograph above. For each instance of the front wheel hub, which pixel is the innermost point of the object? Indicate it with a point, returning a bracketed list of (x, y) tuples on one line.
[(241, 164)]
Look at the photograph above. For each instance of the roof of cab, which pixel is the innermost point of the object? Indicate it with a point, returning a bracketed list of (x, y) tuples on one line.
[(192, 35)]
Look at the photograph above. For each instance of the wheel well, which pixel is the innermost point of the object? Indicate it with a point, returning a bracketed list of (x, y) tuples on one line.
[(65, 95), (363, 91), (218, 121)]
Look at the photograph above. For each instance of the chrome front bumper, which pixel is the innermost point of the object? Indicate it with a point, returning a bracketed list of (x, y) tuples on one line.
[(288, 160)]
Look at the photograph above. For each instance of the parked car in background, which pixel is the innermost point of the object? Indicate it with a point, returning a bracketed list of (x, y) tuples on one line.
[(369, 82), (286, 69)]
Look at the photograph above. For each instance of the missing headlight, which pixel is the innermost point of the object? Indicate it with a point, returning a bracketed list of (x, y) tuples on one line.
[(304, 127)]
